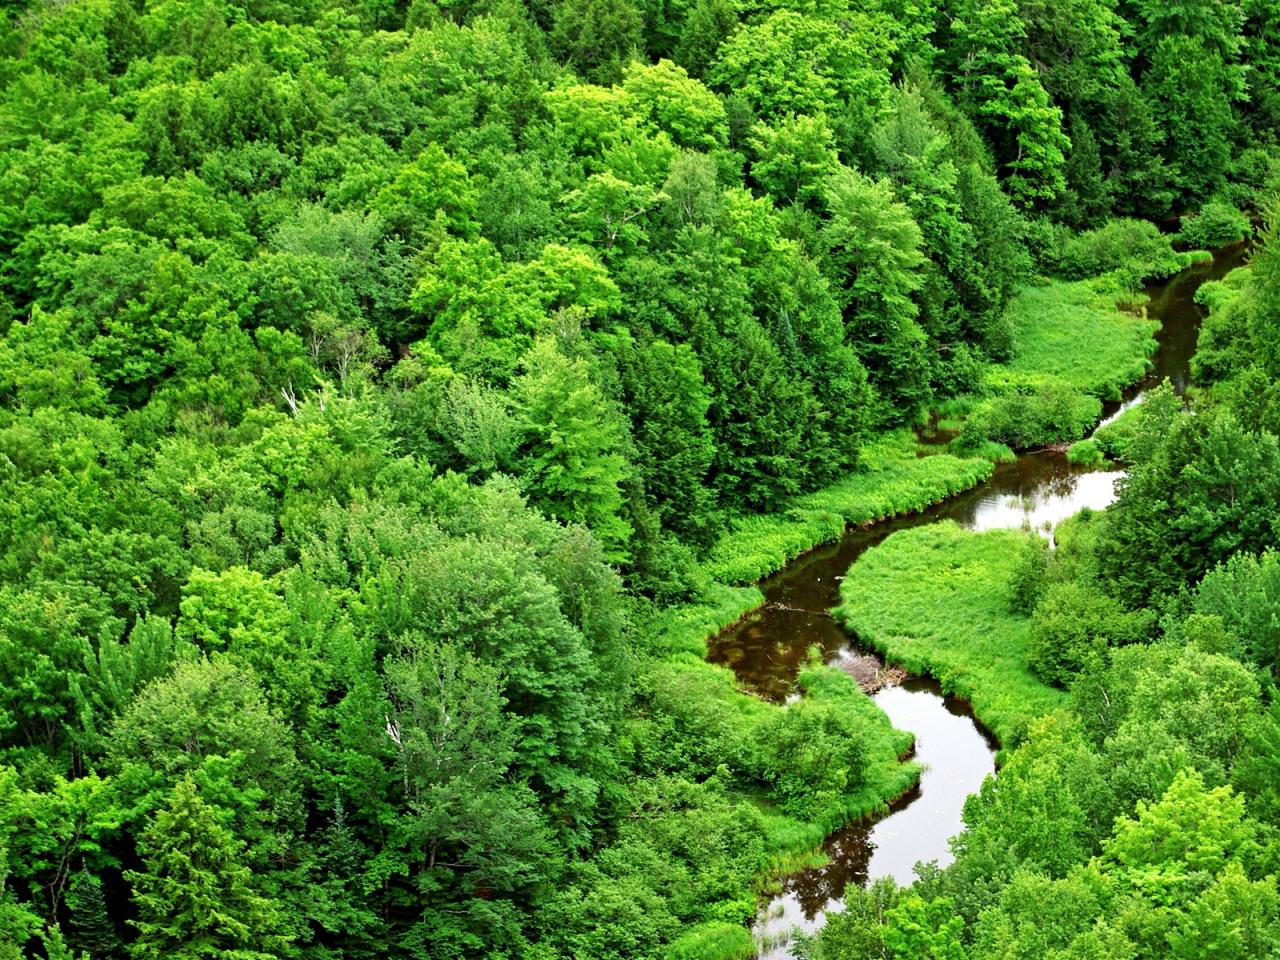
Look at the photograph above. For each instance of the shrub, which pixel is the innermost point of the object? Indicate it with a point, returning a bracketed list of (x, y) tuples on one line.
[(1084, 453), (816, 754), (1073, 624), (1027, 581), (1216, 225), (1031, 417), (1135, 247)]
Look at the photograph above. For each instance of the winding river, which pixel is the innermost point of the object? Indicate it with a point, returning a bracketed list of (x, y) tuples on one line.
[(767, 649)]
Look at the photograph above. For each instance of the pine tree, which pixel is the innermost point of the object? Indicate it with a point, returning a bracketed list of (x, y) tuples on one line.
[(195, 898), (89, 928)]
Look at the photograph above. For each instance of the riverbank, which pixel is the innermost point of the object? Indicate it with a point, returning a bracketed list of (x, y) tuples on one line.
[(935, 600), (775, 625)]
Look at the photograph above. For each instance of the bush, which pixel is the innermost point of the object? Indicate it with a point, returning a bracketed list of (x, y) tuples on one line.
[(1072, 626), (815, 755), (1216, 225), (1135, 247), (1027, 581), (1084, 453), (1032, 417)]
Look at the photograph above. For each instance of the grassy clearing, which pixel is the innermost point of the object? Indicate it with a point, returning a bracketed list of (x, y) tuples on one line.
[(896, 481), (1074, 333), (684, 629), (935, 599), (1073, 348)]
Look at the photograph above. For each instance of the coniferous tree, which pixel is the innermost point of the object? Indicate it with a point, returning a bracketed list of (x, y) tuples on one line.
[(195, 897)]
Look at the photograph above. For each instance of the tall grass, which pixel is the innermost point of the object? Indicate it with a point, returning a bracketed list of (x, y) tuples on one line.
[(895, 481), (935, 600), (1074, 333)]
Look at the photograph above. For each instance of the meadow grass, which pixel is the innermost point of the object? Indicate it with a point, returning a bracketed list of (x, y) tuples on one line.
[(1075, 333), (935, 600), (895, 481), (684, 629)]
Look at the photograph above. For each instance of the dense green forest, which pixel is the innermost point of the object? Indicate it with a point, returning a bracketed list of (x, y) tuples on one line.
[(394, 396)]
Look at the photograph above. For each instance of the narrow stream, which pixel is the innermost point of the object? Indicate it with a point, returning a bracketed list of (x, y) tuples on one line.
[(767, 649)]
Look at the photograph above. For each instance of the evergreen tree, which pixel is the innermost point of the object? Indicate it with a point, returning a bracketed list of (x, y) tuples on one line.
[(195, 897)]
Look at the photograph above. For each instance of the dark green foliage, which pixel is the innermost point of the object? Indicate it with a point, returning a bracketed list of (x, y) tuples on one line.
[(375, 377), (1206, 490), (1134, 247), (1072, 625)]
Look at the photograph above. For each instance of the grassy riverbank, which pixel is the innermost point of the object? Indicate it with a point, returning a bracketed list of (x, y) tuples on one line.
[(934, 599), (1051, 390), (895, 481), (1052, 322)]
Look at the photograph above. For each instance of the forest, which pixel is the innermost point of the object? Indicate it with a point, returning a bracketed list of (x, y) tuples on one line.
[(396, 396)]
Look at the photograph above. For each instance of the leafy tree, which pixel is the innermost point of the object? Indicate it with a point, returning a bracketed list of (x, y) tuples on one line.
[(1007, 99), (1204, 493), (875, 255), (572, 460)]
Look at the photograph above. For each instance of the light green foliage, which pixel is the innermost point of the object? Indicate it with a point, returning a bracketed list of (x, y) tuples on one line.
[(1215, 224), (846, 79), (572, 460), (1051, 321), (1072, 625), (195, 899), (935, 600), (389, 394), (915, 928), (1085, 453)]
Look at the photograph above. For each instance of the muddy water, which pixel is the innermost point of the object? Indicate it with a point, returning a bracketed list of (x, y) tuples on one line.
[(767, 649)]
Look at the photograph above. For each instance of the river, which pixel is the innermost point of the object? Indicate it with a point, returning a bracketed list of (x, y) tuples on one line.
[(767, 649)]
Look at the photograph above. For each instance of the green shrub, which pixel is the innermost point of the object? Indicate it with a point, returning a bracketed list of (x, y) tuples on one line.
[(1216, 225), (1136, 248), (1113, 439), (1027, 580), (1026, 418), (1073, 624), (1084, 453), (815, 755)]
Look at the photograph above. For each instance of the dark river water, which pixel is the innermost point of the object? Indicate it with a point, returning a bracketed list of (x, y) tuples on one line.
[(767, 649)]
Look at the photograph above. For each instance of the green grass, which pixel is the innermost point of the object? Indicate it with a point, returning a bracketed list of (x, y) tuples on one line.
[(1074, 332), (935, 600), (1084, 453), (714, 940), (685, 628), (895, 481), (1113, 440), (1073, 348)]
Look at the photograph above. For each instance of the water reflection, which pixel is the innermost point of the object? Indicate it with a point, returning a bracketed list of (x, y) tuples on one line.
[(956, 756)]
